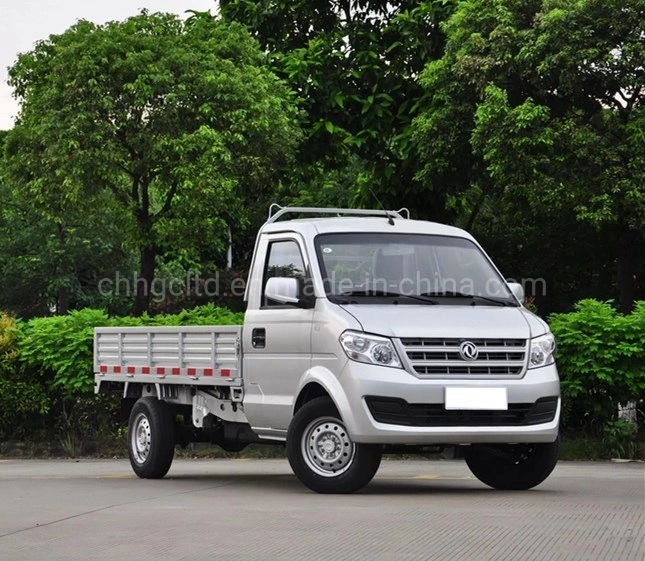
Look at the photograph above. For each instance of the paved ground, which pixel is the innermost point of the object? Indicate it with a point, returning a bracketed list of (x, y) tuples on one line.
[(243, 510)]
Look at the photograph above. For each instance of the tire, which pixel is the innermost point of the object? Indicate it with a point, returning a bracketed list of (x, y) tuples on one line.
[(323, 456), (512, 466), (151, 442)]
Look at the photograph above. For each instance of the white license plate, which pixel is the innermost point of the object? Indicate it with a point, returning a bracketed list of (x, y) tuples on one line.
[(491, 399)]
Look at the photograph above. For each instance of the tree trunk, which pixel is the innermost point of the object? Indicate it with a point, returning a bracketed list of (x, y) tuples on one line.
[(62, 301), (144, 287), (626, 265), (62, 270)]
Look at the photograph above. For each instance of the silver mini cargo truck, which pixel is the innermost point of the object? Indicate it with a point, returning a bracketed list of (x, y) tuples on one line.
[(365, 333)]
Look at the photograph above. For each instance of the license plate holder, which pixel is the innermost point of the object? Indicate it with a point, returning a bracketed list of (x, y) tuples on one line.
[(475, 399)]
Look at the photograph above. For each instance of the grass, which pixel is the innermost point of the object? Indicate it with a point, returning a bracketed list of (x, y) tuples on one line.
[(575, 447)]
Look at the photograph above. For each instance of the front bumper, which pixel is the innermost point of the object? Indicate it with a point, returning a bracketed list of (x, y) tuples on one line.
[(425, 399)]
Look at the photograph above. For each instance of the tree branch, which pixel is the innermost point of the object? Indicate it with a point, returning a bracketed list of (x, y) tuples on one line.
[(145, 199), (634, 98), (118, 194), (345, 7), (169, 197), (134, 193), (622, 96), (124, 169), (616, 103), (121, 137)]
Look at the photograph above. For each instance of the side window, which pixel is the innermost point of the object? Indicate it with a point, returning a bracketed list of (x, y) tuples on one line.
[(283, 260)]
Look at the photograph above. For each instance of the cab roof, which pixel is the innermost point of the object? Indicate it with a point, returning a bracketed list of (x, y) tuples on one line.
[(310, 227)]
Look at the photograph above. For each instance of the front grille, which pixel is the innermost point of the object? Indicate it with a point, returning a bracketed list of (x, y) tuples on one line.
[(441, 357), (394, 411)]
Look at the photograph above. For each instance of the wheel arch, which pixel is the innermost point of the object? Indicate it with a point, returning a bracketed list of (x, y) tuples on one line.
[(321, 382), (311, 391)]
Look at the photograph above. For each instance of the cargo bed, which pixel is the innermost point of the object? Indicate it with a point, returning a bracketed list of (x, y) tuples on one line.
[(193, 355)]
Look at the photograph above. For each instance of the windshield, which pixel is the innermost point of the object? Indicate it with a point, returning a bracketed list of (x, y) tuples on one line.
[(364, 268)]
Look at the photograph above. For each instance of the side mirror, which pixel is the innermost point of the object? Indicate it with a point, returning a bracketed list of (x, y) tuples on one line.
[(517, 290), (283, 290)]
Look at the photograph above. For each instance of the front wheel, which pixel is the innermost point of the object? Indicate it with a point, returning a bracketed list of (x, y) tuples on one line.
[(322, 454), (512, 466), (151, 442)]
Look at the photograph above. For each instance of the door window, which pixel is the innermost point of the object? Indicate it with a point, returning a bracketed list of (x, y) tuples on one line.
[(283, 260)]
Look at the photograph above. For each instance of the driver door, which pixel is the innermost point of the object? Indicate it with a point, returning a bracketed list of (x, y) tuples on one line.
[(277, 340)]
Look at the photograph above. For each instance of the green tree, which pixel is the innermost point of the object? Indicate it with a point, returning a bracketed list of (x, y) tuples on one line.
[(180, 123), (355, 66), (542, 101), (56, 264), (52, 260)]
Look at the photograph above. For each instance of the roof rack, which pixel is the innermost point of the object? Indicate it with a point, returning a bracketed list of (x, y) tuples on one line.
[(276, 212)]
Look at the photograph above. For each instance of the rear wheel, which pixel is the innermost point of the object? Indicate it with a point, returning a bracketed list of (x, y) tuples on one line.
[(322, 454), (151, 443), (512, 466)]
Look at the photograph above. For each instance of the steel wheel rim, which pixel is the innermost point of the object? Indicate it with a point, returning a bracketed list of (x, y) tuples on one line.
[(326, 447), (524, 454), (140, 439)]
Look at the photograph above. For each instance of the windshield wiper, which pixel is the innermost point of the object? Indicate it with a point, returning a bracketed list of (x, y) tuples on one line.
[(387, 294), (457, 294)]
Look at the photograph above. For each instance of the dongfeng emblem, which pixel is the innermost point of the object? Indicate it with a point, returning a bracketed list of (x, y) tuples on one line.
[(468, 350)]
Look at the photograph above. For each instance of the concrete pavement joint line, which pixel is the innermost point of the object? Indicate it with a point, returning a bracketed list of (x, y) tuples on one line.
[(81, 514)]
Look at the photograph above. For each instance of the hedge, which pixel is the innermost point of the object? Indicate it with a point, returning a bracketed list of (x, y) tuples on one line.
[(601, 360)]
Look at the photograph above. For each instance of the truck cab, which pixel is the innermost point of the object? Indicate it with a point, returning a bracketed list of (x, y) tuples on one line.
[(367, 332)]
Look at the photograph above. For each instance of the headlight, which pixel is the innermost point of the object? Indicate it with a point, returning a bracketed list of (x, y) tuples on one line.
[(542, 351), (370, 349)]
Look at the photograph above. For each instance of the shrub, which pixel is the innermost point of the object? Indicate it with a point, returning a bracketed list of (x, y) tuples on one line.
[(59, 349), (21, 403), (21, 397), (601, 360), (8, 336), (619, 439), (209, 314)]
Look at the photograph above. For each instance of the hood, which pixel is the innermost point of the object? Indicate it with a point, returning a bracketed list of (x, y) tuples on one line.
[(474, 322)]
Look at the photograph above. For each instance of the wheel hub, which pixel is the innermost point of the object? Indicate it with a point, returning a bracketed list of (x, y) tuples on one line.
[(327, 448)]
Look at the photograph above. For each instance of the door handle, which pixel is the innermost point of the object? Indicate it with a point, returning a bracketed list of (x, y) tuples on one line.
[(258, 338)]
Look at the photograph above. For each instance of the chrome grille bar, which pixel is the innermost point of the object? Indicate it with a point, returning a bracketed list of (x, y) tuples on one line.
[(441, 357)]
